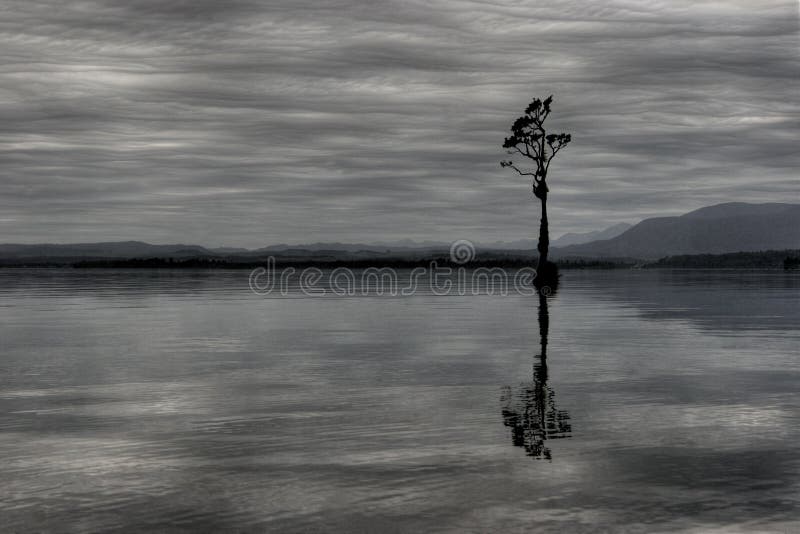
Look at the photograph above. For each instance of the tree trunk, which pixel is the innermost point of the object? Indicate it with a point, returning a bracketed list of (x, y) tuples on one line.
[(544, 234), (546, 271)]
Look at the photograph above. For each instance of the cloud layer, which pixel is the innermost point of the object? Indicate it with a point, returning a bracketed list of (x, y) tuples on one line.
[(256, 122)]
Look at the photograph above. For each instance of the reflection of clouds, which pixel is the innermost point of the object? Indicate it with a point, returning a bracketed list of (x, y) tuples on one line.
[(95, 457), (723, 428), (382, 414), (219, 344), (107, 483), (715, 300), (760, 420), (491, 518)]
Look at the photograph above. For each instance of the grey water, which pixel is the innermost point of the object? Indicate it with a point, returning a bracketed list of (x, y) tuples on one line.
[(180, 401)]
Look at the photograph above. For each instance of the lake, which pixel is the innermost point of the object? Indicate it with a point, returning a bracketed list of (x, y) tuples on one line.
[(181, 401)]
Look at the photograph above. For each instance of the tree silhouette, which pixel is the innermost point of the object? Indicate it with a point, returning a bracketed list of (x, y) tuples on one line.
[(530, 139)]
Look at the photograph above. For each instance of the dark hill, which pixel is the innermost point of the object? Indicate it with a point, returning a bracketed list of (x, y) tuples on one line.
[(731, 227)]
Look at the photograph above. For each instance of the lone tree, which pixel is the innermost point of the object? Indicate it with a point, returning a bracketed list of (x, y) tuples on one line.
[(530, 139)]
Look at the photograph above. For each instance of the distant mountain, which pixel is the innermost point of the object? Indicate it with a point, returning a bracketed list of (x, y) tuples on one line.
[(229, 250), (117, 249), (317, 247), (379, 247), (66, 254), (719, 229), (578, 239), (411, 244), (520, 244), (564, 240)]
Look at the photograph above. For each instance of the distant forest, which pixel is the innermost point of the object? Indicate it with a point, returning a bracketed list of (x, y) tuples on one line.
[(771, 259), (360, 263)]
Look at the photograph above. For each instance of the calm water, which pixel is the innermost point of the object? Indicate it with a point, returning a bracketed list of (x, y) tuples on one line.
[(149, 401)]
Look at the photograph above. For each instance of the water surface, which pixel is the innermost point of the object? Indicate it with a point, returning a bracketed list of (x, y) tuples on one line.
[(181, 401)]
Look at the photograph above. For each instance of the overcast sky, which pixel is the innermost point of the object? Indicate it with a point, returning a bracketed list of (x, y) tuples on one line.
[(257, 122)]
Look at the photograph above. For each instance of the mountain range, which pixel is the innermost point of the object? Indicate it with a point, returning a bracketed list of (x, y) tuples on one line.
[(730, 227), (579, 239), (718, 229)]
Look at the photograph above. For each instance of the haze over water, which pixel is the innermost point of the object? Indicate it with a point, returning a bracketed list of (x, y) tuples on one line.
[(182, 401)]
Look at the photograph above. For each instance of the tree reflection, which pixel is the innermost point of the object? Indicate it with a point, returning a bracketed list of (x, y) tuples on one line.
[(530, 409)]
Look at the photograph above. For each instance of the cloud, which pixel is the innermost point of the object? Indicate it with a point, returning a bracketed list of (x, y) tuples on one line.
[(250, 122)]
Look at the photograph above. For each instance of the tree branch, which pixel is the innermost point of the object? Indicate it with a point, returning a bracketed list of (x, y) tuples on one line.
[(509, 164), (515, 147)]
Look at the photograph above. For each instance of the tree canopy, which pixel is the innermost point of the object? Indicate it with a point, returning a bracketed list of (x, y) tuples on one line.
[(530, 139)]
